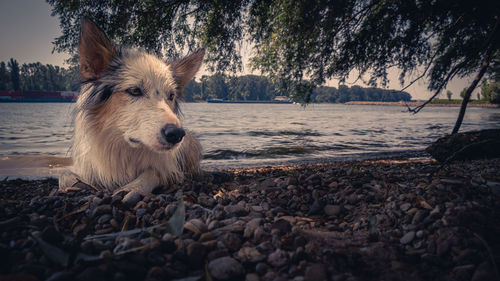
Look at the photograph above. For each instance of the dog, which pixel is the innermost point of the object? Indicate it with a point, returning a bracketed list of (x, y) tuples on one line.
[(128, 135)]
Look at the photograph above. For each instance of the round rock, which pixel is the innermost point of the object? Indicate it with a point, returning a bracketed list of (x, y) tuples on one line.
[(225, 268), (407, 238)]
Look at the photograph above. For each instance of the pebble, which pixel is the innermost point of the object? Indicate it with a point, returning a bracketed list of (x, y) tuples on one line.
[(267, 232), (131, 198), (282, 226), (261, 268), (236, 210), (315, 272), (277, 258), (332, 210), (231, 241), (405, 207), (252, 277), (102, 209), (196, 226), (250, 254), (407, 238), (196, 253), (251, 226), (225, 268)]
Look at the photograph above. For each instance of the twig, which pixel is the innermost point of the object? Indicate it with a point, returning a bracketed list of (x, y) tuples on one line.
[(125, 233), (451, 74)]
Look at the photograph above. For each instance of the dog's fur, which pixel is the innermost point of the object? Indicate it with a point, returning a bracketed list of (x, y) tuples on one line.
[(127, 97)]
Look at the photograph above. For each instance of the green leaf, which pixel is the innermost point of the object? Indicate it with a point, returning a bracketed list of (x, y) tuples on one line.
[(53, 253), (175, 224)]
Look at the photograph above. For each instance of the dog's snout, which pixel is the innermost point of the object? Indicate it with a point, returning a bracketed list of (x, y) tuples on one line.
[(172, 134)]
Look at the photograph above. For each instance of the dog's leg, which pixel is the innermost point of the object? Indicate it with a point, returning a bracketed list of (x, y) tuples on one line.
[(144, 184)]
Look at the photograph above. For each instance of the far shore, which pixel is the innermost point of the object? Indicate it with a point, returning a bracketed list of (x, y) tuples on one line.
[(484, 105)]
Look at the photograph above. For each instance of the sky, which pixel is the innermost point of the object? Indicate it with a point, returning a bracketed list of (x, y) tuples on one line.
[(27, 30)]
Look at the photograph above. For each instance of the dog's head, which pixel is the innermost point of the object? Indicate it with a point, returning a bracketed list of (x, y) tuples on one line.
[(132, 92)]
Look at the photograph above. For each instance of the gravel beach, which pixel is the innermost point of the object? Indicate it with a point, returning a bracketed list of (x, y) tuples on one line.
[(359, 220)]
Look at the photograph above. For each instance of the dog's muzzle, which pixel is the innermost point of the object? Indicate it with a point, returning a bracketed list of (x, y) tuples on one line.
[(172, 134)]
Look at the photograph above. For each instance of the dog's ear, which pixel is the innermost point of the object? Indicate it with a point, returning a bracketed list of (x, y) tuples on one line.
[(95, 49), (186, 68)]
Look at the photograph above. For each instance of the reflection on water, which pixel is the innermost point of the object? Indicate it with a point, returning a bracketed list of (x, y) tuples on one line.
[(241, 134)]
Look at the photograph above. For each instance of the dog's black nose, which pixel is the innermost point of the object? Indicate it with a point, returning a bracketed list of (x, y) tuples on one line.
[(172, 134)]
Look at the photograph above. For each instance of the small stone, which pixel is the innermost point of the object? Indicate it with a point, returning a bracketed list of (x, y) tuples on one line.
[(207, 236), (261, 268), (251, 226), (250, 254), (407, 238), (196, 226), (92, 273), (252, 277), (333, 184), (236, 210), (131, 198), (331, 210), (463, 272), (277, 258), (156, 272), (282, 226), (141, 212), (420, 234), (231, 241), (425, 205), (104, 218), (405, 207), (102, 209), (116, 199), (196, 253), (291, 181), (260, 234), (315, 272), (442, 247), (225, 268)]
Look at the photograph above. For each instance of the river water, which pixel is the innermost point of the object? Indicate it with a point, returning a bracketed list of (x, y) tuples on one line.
[(35, 138)]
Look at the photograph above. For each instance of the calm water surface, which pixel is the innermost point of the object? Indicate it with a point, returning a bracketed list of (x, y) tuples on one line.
[(253, 134)]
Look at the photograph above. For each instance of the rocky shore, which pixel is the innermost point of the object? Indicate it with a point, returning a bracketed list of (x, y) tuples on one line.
[(364, 220)]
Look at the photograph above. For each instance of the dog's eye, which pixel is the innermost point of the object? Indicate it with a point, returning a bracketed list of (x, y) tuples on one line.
[(171, 96), (134, 92)]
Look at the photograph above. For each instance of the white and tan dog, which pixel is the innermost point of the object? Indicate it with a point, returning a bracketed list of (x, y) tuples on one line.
[(128, 136)]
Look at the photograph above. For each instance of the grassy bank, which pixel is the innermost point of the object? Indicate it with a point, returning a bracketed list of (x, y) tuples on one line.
[(362, 220)]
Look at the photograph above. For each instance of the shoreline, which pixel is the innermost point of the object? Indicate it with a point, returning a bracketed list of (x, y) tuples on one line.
[(359, 220), (31, 167), (482, 105)]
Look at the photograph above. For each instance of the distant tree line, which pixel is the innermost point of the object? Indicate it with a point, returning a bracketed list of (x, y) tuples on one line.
[(47, 77), (37, 77), (252, 87)]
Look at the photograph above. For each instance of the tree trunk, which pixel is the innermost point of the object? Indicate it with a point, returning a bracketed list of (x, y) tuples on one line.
[(466, 99), (484, 67)]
